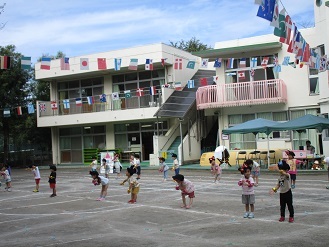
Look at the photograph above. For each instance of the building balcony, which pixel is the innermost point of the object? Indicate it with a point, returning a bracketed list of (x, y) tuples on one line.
[(241, 94)]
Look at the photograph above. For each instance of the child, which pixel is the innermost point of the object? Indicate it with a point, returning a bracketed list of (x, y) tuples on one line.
[(6, 175), (248, 193), (285, 191), (175, 164), (293, 167), (255, 170), (106, 166), (117, 165), (137, 165), (52, 180), (37, 177), (163, 168), (215, 169), (133, 188), (187, 189), (97, 180), (93, 164)]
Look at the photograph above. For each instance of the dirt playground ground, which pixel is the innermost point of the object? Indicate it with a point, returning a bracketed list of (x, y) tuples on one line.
[(75, 218)]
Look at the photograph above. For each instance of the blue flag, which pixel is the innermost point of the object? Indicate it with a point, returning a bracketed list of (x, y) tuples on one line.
[(266, 10), (190, 64), (190, 84), (30, 108), (218, 63)]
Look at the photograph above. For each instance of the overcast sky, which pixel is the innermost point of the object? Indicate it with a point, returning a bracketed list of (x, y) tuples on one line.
[(80, 27)]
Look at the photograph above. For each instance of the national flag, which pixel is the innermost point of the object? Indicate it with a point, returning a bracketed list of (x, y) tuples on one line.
[(190, 64), (45, 63), (66, 103), (30, 108), (277, 68), (318, 62), (42, 107), (117, 63), (65, 63), (84, 63), (218, 63), (153, 90), (253, 62), (133, 64), (241, 75), (276, 60), (281, 30), (5, 62), (323, 63), (203, 82), (190, 84), (178, 63), (230, 63), (266, 10), (140, 92), (163, 60), (296, 41), (19, 110), (204, 63), (101, 62), (288, 27), (178, 85), (78, 102), (102, 98), (115, 96), (214, 78), (252, 73), (91, 100), (6, 112), (242, 63), (302, 46), (306, 54), (127, 94), (264, 62), (26, 63), (149, 64), (275, 19), (53, 105), (286, 61)]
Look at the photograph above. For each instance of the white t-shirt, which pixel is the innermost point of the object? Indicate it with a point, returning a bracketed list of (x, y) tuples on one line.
[(94, 164), (104, 180), (246, 190), (36, 173), (137, 162)]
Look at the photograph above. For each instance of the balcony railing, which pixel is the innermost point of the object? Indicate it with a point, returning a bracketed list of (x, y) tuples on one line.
[(107, 104), (241, 94)]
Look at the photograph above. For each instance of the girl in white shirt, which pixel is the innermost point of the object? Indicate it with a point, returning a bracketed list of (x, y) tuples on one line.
[(100, 180)]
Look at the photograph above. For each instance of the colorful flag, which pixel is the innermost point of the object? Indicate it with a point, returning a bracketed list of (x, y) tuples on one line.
[(264, 62), (286, 61), (178, 63), (306, 54), (84, 63), (218, 63), (276, 60), (296, 41), (190, 84), (26, 63), (45, 63), (242, 63), (117, 63), (252, 73), (78, 102), (30, 108), (66, 103), (133, 64), (91, 100), (153, 90), (277, 68), (275, 19), (253, 62), (214, 78), (140, 92), (230, 63), (19, 110), (127, 94), (178, 85), (323, 63), (101, 62), (204, 63), (53, 105), (288, 27), (6, 112), (102, 98), (190, 64), (115, 96), (149, 64), (203, 82), (241, 75), (42, 107), (65, 63), (5, 62), (281, 30), (163, 60), (266, 10)]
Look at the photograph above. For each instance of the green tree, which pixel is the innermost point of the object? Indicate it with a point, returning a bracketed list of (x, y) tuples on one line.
[(191, 45)]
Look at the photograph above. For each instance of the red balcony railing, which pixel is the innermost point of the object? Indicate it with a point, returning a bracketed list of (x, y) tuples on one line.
[(240, 94)]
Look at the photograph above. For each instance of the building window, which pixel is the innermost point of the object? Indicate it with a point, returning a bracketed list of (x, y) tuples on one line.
[(314, 81)]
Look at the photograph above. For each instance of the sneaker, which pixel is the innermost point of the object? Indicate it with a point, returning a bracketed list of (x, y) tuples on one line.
[(291, 219), (98, 199), (327, 187), (9, 189), (52, 195), (102, 199), (132, 202), (293, 186), (251, 215), (246, 214), (256, 185), (35, 191), (281, 219)]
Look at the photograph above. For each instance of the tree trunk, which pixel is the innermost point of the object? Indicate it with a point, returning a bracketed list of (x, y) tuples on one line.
[(5, 140)]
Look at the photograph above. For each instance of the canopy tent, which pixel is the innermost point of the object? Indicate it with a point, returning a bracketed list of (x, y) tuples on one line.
[(255, 126)]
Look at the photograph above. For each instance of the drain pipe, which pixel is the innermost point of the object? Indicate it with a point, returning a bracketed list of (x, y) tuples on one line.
[(181, 140)]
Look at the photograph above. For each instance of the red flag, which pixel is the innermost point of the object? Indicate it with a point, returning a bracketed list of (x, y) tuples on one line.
[(53, 105), (140, 92), (264, 62), (163, 60), (203, 82), (241, 75), (178, 63), (306, 54), (101, 63), (19, 110), (288, 25)]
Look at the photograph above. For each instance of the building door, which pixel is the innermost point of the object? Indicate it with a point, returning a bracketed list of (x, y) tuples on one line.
[(147, 145)]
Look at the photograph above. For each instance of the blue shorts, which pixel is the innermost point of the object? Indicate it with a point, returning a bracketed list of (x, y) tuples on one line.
[(255, 173)]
